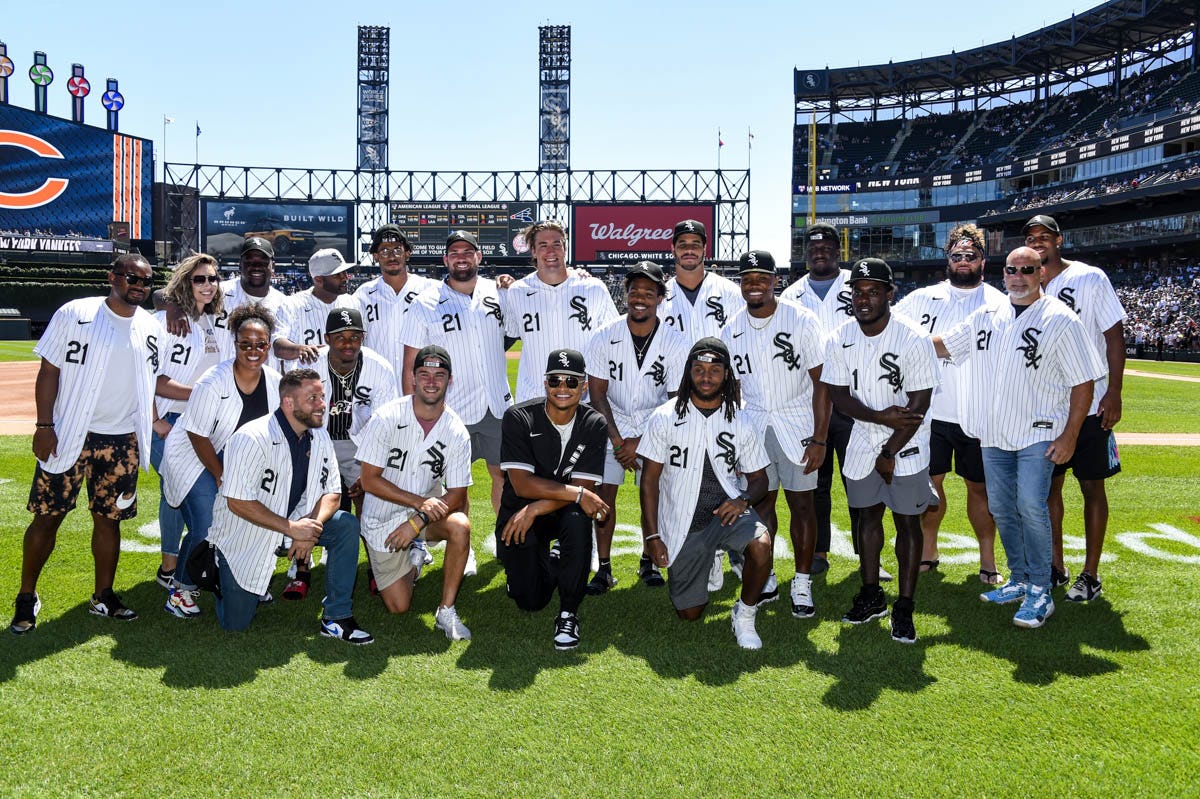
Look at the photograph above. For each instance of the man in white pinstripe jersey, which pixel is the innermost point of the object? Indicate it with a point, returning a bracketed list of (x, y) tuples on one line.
[(301, 334)]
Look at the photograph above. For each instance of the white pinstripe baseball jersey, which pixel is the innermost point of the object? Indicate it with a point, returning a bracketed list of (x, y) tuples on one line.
[(681, 445), (212, 412), (377, 386), (471, 328), (880, 371), (831, 311), (937, 309), (384, 310), (718, 299), (547, 318), (412, 460), (634, 392), (302, 320), (1020, 370), (1087, 291), (234, 297), (78, 341), (772, 364), (258, 467), (185, 358)]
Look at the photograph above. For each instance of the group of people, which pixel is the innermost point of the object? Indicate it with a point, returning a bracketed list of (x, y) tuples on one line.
[(279, 424)]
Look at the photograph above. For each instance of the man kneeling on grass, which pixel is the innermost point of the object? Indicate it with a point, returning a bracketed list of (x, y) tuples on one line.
[(693, 450)]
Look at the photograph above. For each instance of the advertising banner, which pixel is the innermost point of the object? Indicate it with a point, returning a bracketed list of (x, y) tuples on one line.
[(634, 232), (296, 229), (59, 177)]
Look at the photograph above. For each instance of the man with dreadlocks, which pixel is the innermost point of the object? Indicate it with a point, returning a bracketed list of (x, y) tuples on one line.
[(693, 450)]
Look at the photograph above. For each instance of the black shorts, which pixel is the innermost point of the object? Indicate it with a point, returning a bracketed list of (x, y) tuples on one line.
[(948, 439), (1096, 456)]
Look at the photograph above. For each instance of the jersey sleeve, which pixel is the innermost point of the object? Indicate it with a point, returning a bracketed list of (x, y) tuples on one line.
[(812, 344), (836, 372), (595, 439), (516, 446), (753, 456), (373, 448), (1108, 310), (511, 312), (921, 368), (413, 330), (960, 339), (53, 343), (653, 445), (1078, 361), (244, 468), (458, 465), (201, 415), (595, 352)]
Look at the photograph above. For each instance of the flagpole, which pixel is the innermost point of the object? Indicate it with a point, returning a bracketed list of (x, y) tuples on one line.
[(720, 144), (164, 150), (197, 141)]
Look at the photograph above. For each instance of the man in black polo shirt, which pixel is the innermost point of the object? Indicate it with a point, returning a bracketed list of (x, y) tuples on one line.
[(552, 453)]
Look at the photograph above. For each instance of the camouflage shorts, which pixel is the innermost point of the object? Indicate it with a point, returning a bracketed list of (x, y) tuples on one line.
[(109, 464)]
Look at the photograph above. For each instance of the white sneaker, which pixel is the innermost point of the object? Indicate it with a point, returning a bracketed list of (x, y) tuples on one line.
[(182, 604), (447, 620), (884, 577), (802, 597), (472, 568), (743, 626), (416, 556), (770, 590), (716, 575)]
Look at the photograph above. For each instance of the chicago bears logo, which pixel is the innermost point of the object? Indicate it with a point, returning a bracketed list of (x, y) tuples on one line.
[(51, 188), (890, 362), (728, 453), (1030, 350), (785, 351), (581, 313), (716, 310)]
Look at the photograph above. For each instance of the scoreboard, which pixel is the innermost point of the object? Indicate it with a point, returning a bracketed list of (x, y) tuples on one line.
[(498, 226)]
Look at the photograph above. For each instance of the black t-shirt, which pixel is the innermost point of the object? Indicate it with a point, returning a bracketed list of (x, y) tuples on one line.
[(530, 441), (254, 404)]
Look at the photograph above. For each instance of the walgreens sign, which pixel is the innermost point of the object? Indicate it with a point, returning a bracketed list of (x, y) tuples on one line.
[(630, 233)]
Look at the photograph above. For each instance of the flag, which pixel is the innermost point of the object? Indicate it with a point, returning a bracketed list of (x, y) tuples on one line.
[(168, 120), (720, 141), (749, 139), (197, 128)]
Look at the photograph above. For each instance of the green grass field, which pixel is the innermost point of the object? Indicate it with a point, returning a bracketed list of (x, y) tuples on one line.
[(1165, 367), (1096, 704), (17, 351)]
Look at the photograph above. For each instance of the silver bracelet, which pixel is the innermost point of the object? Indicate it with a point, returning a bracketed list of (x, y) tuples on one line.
[(579, 497), (652, 537)]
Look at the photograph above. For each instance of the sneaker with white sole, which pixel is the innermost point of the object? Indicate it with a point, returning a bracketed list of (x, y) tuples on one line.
[(649, 573), (885, 576), (1059, 578), (165, 578), (472, 567), (1085, 589), (903, 629), (770, 591), (347, 630), (110, 605), (742, 620), (566, 631), (182, 604), (1011, 591), (417, 552), (25, 618), (716, 574), (869, 604), (600, 584), (802, 597), (1035, 608), (446, 619), (736, 561)]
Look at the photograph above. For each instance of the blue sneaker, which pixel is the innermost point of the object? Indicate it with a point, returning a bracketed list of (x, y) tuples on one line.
[(1035, 608), (1012, 591)]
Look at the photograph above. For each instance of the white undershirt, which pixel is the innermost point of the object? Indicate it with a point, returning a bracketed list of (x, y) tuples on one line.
[(117, 407), (564, 435)]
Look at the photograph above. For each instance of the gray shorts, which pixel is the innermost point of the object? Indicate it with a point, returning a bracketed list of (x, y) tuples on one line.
[(781, 472), (614, 473), (687, 576), (908, 496), (348, 464), (485, 439)]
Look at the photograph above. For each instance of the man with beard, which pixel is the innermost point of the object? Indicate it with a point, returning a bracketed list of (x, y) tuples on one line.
[(302, 316), (1087, 291), (634, 365), (698, 302), (281, 488), (386, 298), (694, 451), (95, 405), (1029, 421), (777, 354), (881, 370), (937, 309), (825, 291)]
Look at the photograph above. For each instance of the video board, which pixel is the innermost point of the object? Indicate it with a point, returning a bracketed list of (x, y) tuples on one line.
[(497, 224)]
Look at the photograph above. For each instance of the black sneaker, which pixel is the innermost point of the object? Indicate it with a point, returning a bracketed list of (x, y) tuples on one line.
[(600, 584), (869, 604), (1059, 578), (566, 631), (1086, 588), (903, 629), (165, 578), (25, 617), (347, 630), (649, 573), (110, 605)]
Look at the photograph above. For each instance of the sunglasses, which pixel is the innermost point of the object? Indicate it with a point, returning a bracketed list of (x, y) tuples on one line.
[(135, 280), (1024, 270), (246, 346), (554, 381), (200, 280), (388, 252), (959, 257)]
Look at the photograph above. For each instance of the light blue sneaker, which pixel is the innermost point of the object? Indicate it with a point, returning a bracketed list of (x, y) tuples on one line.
[(1012, 591), (1035, 608)]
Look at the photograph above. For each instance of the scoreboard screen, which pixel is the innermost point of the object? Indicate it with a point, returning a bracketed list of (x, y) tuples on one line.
[(498, 225)]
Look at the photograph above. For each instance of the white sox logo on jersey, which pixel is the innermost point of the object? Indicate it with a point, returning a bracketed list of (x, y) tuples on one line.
[(362, 396), (657, 372), (581, 313), (728, 452), (716, 310), (437, 461), (1030, 350), (786, 352), (1067, 296), (152, 344), (891, 368), (410, 296), (844, 304), (493, 307)]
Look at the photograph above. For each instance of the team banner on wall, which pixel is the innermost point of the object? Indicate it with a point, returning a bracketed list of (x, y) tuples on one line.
[(59, 177), (627, 233), (295, 229)]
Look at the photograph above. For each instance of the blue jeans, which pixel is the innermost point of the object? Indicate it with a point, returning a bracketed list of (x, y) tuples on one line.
[(1018, 484), (170, 520), (197, 511), (236, 606)]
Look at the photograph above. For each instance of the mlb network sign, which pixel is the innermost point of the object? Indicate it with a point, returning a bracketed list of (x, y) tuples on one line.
[(630, 233)]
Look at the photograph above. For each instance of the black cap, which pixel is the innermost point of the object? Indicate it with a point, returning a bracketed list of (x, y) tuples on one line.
[(463, 235), (260, 244), (709, 350), (820, 230), (340, 319), (432, 357), (1043, 220), (647, 269), (756, 261), (388, 232), (871, 269), (690, 226), (565, 362)]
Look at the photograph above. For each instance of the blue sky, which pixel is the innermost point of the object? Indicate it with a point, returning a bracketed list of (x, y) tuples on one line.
[(273, 84)]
